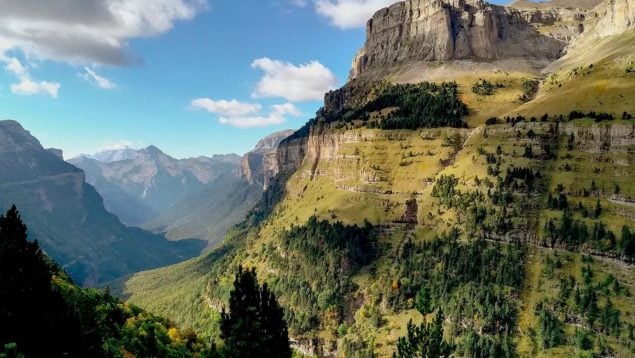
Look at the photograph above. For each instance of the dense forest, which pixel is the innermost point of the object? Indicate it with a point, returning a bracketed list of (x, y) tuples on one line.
[(401, 106), (316, 262)]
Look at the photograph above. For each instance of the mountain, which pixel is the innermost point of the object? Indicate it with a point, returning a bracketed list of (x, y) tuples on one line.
[(209, 212), (477, 167), (188, 198), (146, 182), (67, 216), (260, 164), (113, 155)]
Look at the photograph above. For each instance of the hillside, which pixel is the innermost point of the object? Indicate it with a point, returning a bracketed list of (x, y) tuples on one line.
[(67, 216), (495, 195)]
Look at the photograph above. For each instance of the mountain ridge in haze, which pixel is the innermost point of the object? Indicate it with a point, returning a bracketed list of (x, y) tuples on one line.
[(199, 197), (66, 215)]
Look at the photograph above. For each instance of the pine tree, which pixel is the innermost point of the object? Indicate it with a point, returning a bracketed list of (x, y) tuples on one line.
[(34, 315), (424, 341), (255, 326)]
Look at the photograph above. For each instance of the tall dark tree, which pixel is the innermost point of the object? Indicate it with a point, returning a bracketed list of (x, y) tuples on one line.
[(33, 314), (254, 326), (424, 341)]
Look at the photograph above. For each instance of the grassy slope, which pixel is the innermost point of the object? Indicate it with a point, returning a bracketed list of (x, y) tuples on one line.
[(365, 180)]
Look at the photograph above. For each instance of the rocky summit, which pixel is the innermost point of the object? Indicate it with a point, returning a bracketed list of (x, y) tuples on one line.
[(523, 35)]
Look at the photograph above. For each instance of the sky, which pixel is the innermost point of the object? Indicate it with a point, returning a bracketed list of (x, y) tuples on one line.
[(193, 77)]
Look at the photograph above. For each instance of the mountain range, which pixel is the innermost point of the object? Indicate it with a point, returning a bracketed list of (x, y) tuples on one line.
[(183, 198), (68, 218)]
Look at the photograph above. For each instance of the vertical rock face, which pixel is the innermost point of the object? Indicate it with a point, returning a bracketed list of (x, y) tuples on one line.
[(442, 30), (260, 165), (618, 16)]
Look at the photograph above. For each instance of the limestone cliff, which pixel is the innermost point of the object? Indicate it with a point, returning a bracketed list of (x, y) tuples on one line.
[(443, 31), (260, 164)]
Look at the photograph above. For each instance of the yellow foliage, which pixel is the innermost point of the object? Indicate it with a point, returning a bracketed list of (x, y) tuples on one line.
[(174, 334)]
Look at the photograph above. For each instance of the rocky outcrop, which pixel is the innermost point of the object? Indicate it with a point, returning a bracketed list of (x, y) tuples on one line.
[(260, 165), (410, 214), (617, 16), (600, 137), (57, 152), (444, 30), (577, 4)]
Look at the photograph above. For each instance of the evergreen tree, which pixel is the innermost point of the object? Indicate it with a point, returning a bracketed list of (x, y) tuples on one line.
[(254, 327), (33, 315), (424, 341)]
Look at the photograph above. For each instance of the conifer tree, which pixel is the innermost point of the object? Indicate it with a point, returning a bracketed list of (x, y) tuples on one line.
[(424, 341), (34, 315), (254, 326)]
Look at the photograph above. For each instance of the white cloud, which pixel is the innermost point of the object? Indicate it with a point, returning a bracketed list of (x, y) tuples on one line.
[(286, 109), (226, 108), (307, 82), (277, 115), (87, 31), (26, 85), (347, 14), (115, 145), (91, 76)]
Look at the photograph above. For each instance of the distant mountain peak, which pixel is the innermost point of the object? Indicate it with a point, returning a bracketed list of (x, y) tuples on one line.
[(153, 150), (272, 140)]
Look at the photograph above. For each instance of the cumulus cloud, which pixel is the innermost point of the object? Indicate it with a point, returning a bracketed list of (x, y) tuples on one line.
[(87, 31), (246, 115), (225, 108), (277, 115), (26, 85), (99, 81), (347, 14), (307, 82)]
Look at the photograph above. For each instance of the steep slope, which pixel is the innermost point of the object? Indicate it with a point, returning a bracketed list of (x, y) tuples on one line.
[(259, 165), (520, 230), (66, 215)]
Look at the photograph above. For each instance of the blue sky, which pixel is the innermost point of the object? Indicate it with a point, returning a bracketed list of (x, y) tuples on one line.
[(192, 77)]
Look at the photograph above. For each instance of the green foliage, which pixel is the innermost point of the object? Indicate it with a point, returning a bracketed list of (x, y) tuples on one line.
[(474, 283), (550, 331), (423, 341), (33, 313), (530, 88), (574, 234), (484, 88), (46, 315), (422, 105), (478, 346), (254, 327), (423, 303), (10, 350), (315, 274)]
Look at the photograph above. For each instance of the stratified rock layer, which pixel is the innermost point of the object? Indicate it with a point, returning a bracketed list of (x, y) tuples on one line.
[(444, 30)]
